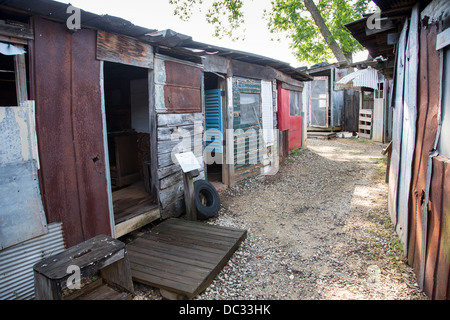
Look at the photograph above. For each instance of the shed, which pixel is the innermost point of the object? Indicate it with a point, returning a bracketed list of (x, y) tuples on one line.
[(329, 107), (374, 113)]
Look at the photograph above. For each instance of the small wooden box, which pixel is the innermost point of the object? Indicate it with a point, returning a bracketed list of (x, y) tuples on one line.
[(104, 272)]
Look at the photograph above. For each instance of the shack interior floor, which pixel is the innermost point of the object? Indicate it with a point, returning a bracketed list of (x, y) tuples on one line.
[(131, 201), (182, 257)]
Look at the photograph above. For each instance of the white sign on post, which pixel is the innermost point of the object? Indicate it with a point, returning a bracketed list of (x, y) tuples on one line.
[(188, 161)]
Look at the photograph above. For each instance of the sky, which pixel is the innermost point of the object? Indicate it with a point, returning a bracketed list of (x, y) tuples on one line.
[(158, 14)]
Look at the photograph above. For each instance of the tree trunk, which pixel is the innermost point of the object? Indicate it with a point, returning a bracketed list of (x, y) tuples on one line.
[(326, 34)]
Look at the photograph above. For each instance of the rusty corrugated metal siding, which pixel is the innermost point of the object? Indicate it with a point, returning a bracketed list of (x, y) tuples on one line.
[(69, 128), (438, 242), (16, 263), (435, 268)]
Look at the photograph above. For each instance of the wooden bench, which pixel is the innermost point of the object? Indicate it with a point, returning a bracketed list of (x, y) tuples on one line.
[(103, 271)]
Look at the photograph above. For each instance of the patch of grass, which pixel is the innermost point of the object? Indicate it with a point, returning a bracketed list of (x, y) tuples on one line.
[(381, 167), (296, 152), (360, 140)]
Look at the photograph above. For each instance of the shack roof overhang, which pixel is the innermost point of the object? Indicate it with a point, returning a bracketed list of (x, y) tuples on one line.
[(324, 70), (165, 40), (382, 41)]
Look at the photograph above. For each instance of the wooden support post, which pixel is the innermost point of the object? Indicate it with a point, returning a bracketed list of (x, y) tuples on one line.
[(190, 166), (191, 211)]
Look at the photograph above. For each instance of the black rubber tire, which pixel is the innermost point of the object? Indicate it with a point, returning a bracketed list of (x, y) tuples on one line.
[(205, 190)]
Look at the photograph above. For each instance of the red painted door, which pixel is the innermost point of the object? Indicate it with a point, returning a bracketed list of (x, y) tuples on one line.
[(289, 116)]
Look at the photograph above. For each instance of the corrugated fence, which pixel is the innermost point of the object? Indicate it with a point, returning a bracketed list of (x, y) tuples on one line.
[(16, 263)]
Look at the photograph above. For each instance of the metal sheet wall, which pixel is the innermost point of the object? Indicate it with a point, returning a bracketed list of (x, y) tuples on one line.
[(428, 250), (182, 88), (69, 129), (16, 263)]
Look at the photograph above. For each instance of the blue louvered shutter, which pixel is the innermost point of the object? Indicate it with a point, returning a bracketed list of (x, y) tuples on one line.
[(213, 120)]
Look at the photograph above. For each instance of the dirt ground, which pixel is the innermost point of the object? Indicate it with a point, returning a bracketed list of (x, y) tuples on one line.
[(318, 229)]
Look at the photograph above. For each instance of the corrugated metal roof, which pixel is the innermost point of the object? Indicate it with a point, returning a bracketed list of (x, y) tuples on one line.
[(180, 43), (386, 5), (57, 10), (361, 78)]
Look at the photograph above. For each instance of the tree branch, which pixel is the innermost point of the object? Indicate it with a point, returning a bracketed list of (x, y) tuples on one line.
[(326, 34)]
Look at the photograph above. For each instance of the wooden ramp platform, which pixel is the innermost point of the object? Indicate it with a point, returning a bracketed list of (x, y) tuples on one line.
[(322, 135), (182, 257)]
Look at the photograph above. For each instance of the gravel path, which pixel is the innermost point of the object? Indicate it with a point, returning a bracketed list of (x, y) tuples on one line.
[(319, 229)]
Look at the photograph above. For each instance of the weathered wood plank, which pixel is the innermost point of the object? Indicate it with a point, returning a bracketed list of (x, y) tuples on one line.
[(193, 254), (163, 261), (207, 229), (181, 144), (166, 133), (104, 292), (168, 274), (148, 214), (160, 282), (210, 238), (121, 49), (171, 119), (188, 243), (173, 257), (20, 32), (21, 77), (213, 63), (244, 69)]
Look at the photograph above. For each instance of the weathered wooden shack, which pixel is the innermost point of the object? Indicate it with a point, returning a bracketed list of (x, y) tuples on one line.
[(330, 108), (374, 114), (101, 111), (415, 38), (253, 81)]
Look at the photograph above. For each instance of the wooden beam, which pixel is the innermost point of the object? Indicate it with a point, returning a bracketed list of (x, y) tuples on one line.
[(21, 77), (255, 71), (121, 49), (20, 32)]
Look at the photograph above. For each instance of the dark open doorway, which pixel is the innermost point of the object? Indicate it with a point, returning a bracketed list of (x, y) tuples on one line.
[(127, 120)]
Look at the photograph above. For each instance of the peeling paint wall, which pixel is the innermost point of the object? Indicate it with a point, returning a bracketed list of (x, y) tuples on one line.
[(22, 215)]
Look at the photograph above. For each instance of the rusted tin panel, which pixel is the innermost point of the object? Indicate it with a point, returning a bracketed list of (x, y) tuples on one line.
[(183, 75), (69, 129), (442, 288), (182, 99), (54, 126), (434, 226), (88, 135), (429, 82), (183, 88)]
